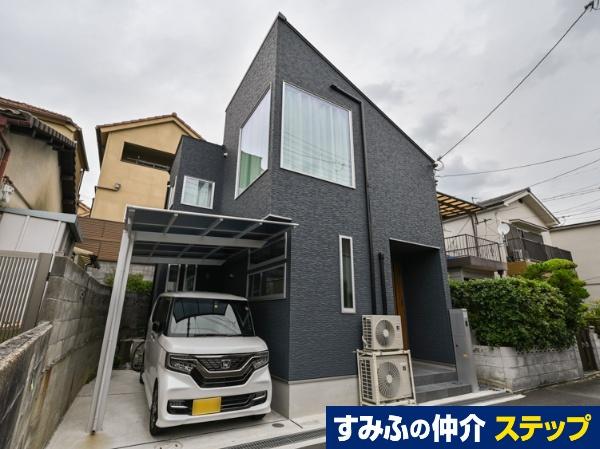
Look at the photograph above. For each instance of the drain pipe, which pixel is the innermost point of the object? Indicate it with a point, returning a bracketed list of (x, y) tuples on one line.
[(367, 196)]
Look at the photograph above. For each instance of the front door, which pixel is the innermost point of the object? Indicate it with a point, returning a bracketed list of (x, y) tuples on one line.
[(398, 281)]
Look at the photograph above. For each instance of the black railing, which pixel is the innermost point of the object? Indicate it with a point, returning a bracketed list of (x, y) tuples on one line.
[(523, 249), (468, 245)]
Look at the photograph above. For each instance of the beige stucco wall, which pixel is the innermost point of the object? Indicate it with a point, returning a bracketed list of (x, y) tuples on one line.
[(584, 243), (141, 186), (488, 222), (33, 168)]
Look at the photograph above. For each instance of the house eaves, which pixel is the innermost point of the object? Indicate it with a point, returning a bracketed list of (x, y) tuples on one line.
[(526, 196), (102, 131)]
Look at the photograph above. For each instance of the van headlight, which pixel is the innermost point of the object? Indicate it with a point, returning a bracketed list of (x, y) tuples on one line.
[(180, 363), (261, 359)]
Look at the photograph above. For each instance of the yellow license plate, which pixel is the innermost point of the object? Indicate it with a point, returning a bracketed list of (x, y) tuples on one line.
[(206, 406)]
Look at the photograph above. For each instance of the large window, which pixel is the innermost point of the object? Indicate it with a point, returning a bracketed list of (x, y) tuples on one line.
[(316, 137), (148, 157), (347, 275), (197, 192), (253, 154)]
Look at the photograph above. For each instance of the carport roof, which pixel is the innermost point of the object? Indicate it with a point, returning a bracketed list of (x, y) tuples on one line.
[(172, 236)]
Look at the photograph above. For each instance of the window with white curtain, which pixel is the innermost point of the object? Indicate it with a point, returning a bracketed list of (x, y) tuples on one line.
[(253, 154), (316, 137), (197, 192)]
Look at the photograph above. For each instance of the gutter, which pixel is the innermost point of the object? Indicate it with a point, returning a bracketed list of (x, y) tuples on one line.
[(367, 197)]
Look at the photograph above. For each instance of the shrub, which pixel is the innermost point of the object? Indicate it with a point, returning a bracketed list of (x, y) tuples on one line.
[(591, 317), (135, 283), (560, 273), (524, 314)]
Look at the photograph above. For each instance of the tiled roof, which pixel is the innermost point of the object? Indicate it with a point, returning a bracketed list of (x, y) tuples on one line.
[(144, 119), (35, 110)]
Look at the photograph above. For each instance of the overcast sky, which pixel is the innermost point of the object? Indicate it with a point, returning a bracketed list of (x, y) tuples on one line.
[(434, 67)]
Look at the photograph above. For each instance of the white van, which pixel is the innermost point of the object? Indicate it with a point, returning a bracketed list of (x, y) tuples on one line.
[(202, 361)]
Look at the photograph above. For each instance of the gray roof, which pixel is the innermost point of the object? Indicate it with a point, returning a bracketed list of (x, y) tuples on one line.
[(501, 198)]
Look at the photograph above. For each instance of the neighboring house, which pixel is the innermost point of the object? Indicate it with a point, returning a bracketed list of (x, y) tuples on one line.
[(64, 125), (83, 210), (583, 240), (299, 138), (528, 238), (135, 159), (38, 164)]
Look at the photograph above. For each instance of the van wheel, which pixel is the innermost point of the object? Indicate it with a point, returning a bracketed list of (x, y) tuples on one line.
[(258, 417), (152, 427), (141, 378)]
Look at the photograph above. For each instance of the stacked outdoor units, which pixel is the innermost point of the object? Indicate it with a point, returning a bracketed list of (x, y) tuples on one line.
[(385, 374)]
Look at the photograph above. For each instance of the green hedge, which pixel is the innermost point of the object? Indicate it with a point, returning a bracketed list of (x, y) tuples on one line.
[(135, 283), (524, 314)]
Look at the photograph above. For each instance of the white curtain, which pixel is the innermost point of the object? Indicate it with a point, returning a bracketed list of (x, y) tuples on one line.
[(197, 192), (316, 137)]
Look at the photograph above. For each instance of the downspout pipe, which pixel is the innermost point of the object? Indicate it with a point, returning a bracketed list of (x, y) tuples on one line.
[(367, 195), (3, 145)]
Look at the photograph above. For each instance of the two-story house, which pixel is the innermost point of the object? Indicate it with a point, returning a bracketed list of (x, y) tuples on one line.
[(500, 235), (303, 144)]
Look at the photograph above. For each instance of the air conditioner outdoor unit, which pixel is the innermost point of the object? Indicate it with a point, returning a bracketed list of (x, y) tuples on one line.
[(382, 333), (385, 378)]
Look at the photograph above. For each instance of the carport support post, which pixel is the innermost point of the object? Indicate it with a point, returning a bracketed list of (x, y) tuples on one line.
[(111, 333)]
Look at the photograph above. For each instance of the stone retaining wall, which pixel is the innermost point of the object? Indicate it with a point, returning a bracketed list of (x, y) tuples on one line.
[(505, 367), (42, 371)]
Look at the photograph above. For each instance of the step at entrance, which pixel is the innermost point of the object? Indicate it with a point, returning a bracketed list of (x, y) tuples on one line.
[(436, 381)]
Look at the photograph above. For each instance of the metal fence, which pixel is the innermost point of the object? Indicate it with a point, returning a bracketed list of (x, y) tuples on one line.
[(22, 281), (468, 245), (525, 249)]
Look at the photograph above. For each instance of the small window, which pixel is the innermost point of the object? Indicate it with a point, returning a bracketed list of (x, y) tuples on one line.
[(148, 157), (197, 192), (253, 152), (347, 275), (172, 189), (273, 251), (267, 284), (172, 277), (316, 137), (189, 282)]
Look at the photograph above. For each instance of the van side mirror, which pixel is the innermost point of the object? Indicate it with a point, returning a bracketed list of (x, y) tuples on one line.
[(156, 326)]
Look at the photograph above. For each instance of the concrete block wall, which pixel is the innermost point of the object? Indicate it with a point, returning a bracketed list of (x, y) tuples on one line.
[(505, 367), (76, 306), (595, 340)]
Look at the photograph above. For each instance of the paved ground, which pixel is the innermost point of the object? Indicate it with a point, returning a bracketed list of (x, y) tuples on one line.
[(584, 392), (126, 424)]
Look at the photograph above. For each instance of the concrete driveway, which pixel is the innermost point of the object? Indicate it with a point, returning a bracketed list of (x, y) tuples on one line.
[(126, 425), (582, 392)]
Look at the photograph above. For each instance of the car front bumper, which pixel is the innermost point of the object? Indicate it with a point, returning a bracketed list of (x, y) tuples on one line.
[(178, 386)]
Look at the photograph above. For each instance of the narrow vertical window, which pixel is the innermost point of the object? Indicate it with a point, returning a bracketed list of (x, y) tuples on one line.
[(347, 275), (172, 188), (253, 154)]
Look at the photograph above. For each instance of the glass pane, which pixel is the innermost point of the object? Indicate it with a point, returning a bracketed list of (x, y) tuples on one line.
[(172, 278), (190, 277), (272, 282), (316, 138), (254, 145), (272, 250), (197, 192), (347, 292)]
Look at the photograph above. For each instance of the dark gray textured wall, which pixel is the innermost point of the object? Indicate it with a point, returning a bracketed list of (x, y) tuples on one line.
[(308, 335)]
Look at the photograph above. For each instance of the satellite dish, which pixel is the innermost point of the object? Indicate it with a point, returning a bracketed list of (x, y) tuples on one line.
[(503, 228)]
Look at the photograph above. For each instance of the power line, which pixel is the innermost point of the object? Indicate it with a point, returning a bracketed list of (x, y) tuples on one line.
[(593, 188), (587, 164), (588, 7), (515, 167)]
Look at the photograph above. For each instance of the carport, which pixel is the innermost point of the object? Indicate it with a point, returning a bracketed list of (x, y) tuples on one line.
[(159, 236)]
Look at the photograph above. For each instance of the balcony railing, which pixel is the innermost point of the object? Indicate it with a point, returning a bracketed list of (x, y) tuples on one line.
[(468, 245), (520, 249)]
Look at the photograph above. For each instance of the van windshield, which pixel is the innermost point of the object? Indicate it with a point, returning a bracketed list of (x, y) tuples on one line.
[(192, 317)]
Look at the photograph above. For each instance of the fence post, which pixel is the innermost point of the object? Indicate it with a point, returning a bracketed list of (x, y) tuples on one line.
[(38, 286)]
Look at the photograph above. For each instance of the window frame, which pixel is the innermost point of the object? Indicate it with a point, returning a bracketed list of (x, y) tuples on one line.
[(351, 130), (251, 266), (172, 191), (268, 297), (341, 271), (236, 192), (212, 193)]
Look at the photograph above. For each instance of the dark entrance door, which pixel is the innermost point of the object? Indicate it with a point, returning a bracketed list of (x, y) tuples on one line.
[(398, 281), (586, 351)]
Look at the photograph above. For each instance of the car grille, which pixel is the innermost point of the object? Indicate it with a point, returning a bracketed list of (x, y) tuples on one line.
[(206, 380), (225, 363)]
